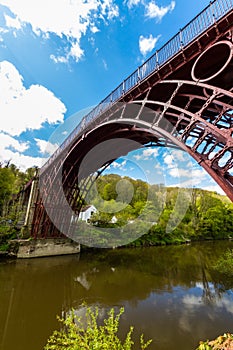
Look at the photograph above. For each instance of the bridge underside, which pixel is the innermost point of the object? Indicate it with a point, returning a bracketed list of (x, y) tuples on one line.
[(188, 103)]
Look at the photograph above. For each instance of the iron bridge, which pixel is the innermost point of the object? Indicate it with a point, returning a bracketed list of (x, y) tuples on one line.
[(182, 96)]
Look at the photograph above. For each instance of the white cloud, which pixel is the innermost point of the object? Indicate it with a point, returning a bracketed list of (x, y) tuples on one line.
[(138, 156), (8, 147), (174, 172), (60, 59), (192, 300), (76, 52), (199, 173), (158, 166), (154, 11), (180, 155), (147, 44), (115, 165), (3, 30), (188, 173), (187, 183), (69, 19), (214, 188), (192, 181), (147, 154), (169, 160), (13, 22), (131, 3), (105, 64), (9, 142), (190, 176), (24, 109), (119, 165), (110, 9), (94, 29), (46, 147), (150, 152), (24, 162)]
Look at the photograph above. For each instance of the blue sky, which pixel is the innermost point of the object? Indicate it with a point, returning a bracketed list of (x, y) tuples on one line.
[(60, 57)]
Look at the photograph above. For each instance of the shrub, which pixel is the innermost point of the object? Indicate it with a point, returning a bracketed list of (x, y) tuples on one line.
[(4, 247), (222, 342), (78, 334)]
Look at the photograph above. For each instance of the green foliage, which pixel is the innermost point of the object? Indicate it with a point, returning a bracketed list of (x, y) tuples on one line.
[(224, 341), (7, 180), (6, 234), (12, 181), (225, 263), (208, 216), (121, 201), (4, 247), (78, 334)]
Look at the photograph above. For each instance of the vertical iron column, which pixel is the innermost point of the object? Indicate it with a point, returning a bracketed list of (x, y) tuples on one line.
[(26, 229)]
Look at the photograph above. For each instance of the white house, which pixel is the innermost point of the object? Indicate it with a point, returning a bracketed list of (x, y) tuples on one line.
[(86, 212), (113, 220)]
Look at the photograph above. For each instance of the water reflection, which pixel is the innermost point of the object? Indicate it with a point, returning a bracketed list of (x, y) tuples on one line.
[(169, 293)]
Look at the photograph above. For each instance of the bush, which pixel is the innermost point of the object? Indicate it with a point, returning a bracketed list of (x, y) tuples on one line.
[(4, 247), (222, 342), (76, 336)]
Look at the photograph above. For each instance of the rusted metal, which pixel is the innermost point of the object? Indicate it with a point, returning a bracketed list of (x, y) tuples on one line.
[(217, 15), (191, 105)]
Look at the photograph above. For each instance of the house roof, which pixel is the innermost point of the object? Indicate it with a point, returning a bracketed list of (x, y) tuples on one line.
[(87, 207)]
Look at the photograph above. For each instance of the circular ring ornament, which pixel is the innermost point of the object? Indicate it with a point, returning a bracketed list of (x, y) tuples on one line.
[(219, 54)]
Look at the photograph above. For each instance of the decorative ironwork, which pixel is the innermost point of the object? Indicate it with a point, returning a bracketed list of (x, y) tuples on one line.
[(216, 10), (188, 87)]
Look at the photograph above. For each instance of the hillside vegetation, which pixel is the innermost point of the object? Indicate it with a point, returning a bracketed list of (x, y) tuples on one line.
[(173, 215)]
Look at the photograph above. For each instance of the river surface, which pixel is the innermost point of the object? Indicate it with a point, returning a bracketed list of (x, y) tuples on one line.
[(169, 293)]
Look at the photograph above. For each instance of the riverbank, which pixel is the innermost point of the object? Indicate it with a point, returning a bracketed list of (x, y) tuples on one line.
[(31, 248)]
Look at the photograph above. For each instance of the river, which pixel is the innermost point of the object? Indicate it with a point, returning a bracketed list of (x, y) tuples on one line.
[(169, 293)]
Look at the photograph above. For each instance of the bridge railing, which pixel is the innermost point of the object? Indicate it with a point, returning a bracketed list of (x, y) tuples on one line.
[(212, 13)]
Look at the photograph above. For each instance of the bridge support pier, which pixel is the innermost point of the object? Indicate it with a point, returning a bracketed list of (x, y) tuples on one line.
[(37, 248), (30, 209)]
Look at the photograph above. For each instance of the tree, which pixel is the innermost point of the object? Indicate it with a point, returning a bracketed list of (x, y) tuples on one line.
[(212, 221), (7, 180), (109, 192)]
